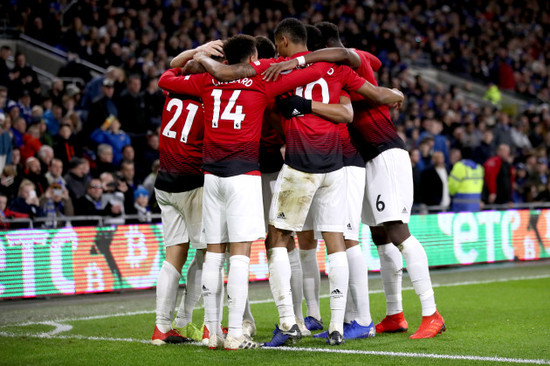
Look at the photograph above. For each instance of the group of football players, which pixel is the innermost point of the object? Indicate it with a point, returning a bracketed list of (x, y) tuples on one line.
[(304, 145)]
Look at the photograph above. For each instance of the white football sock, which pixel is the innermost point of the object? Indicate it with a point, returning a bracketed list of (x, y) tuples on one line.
[(167, 293), (212, 283), (296, 283), (359, 284), (338, 281), (311, 282), (419, 272), (391, 271), (192, 292), (279, 281), (237, 292)]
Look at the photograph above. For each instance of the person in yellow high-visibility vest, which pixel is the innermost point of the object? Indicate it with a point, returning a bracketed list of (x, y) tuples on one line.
[(466, 183)]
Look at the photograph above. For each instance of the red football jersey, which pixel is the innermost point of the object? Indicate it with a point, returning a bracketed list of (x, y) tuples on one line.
[(180, 144), (312, 143), (233, 113), (372, 129)]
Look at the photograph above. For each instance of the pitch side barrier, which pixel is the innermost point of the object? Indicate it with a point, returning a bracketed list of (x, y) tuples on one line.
[(79, 260)]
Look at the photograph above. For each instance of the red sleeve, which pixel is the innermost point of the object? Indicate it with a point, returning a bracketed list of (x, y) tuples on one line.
[(375, 62), (492, 166), (296, 78), (173, 81), (351, 81), (262, 64)]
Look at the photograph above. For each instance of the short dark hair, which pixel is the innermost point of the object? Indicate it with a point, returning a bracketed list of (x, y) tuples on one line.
[(314, 38), (329, 33), (239, 48), (293, 29), (266, 48)]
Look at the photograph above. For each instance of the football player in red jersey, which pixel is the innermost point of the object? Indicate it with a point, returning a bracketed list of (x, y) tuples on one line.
[(178, 190), (232, 200)]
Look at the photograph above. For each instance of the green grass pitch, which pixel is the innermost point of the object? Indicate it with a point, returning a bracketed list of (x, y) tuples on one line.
[(497, 314)]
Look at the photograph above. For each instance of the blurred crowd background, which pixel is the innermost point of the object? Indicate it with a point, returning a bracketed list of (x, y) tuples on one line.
[(86, 142)]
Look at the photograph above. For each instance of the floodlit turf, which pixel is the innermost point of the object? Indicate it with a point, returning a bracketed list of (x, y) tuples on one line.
[(487, 323)]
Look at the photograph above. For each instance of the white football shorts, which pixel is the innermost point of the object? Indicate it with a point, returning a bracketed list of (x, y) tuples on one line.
[(355, 180), (181, 215), (233, 209), (296, 193), (268, 185), (388, 189)]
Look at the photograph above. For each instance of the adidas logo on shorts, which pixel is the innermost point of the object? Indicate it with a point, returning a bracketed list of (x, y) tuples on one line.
[(336, 293), (349, 226), (281, 216), (205, 291), (404, 210)]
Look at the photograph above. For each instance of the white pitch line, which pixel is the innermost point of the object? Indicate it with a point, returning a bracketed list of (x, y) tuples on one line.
[(306, 349), (265, 301)]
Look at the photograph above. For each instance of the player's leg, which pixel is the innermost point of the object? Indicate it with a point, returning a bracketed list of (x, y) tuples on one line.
[(216, 235), (311, 279), (296, 285), (418, 269), (243, 197), (177, 246), (391, 271), (328, 205), (190, 206), (292, 197), (358, 321)]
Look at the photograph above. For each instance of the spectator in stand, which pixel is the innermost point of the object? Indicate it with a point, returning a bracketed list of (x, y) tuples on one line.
[(3, 99), (33, 173), (128, 154), (53, 117), (544, 196), (433, 128), (521, 187), (65, 146), (154, 101), (100, 110), (111, 134), (466, 183), (113, 193), (425, 147), (503, 132), (5, 54), (18, 128), (434, 190), (57, 91), (127, 175), (76, 178), (31, 142), (94, 89), (23, 78), (485, 149), (93, 203), (499, 176), (132, 110), (26, 203), (5, 142), (520, 134), (141, 205), (3, 208), (9, 182), (45, 156), (104, 161), (25, 106), (55, 173), (539, 178), (151, 152), (55, 203)]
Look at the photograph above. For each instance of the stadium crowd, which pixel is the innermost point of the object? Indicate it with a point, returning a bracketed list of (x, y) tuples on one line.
[(93, 148)]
